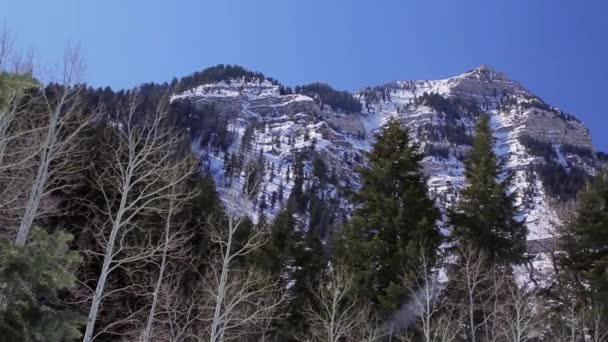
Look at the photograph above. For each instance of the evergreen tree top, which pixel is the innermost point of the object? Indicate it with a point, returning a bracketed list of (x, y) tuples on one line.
[(394, 223), (485, 215)]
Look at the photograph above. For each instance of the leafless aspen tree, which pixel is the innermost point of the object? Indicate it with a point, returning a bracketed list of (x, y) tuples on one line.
[(139, 155), (11, 61), (6, 47), (517, 316), (177, 313), (173, 239), (240, 298), (18, 148), (445, 326), (333, 315), (370, 329), (479, 286), (596, 324), (424, 301), (62, 125), (438, 316)]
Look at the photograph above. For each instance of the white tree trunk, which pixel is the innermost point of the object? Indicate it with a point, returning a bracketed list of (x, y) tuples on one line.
[(105, 270), (42, 177), (218, 321), (161, 273)]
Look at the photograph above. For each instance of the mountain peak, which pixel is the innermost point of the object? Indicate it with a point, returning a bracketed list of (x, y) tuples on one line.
[(486, 73), (484, 68)]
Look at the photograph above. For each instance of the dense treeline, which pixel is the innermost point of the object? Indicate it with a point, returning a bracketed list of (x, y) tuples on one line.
[(325, 94), (219, 73), (110, 231)]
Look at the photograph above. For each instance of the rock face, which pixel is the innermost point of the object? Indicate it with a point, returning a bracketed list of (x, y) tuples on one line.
[(288, 138)]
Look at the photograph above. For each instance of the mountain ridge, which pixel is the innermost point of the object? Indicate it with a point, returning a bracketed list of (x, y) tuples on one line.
[(271, 126)]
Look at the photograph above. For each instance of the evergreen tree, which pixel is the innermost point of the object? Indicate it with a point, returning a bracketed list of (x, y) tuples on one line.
[(30, 277), (484, 217), (276, 256), (10, 85), (394, 219), (297, 198), (585, 240), (296, 258), (308, 265)]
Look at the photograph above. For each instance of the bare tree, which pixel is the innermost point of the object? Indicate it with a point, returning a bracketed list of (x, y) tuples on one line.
[(140, 155), (447, 323), (62, 126), (479, 285), (424, 300), (334, 316), (267, 319), (517, 317), (240, 298), (174, 238), (596, 323), (18, 148), (370, 329), (179, 313), (7, 44), (438, 316)]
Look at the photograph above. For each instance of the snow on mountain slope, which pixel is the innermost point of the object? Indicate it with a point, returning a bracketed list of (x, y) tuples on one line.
[(274, 131)]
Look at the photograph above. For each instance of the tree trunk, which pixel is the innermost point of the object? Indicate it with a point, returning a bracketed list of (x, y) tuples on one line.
[(40, 181)]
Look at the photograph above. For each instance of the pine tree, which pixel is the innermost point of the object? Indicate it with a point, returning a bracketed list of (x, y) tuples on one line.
[(297, 198), (484, 217), (296, 258), (585, 240), (31, 276), (394, 220), (276, 256)]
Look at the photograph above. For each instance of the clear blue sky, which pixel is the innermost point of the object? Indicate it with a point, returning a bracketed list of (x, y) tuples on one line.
[(556, 48)]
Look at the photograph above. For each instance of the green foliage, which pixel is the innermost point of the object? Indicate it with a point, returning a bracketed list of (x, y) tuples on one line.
[(394, 219), (296, 258), (585, 240), (484, 217), (277, 255), (30, 277), (298, 199), (337, 100), (11, 84)]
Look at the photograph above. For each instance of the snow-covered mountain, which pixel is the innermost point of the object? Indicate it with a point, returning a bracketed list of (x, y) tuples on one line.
[(269, 129)]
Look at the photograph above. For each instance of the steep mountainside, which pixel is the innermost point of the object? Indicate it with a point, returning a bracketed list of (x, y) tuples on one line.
[(306, 144)]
